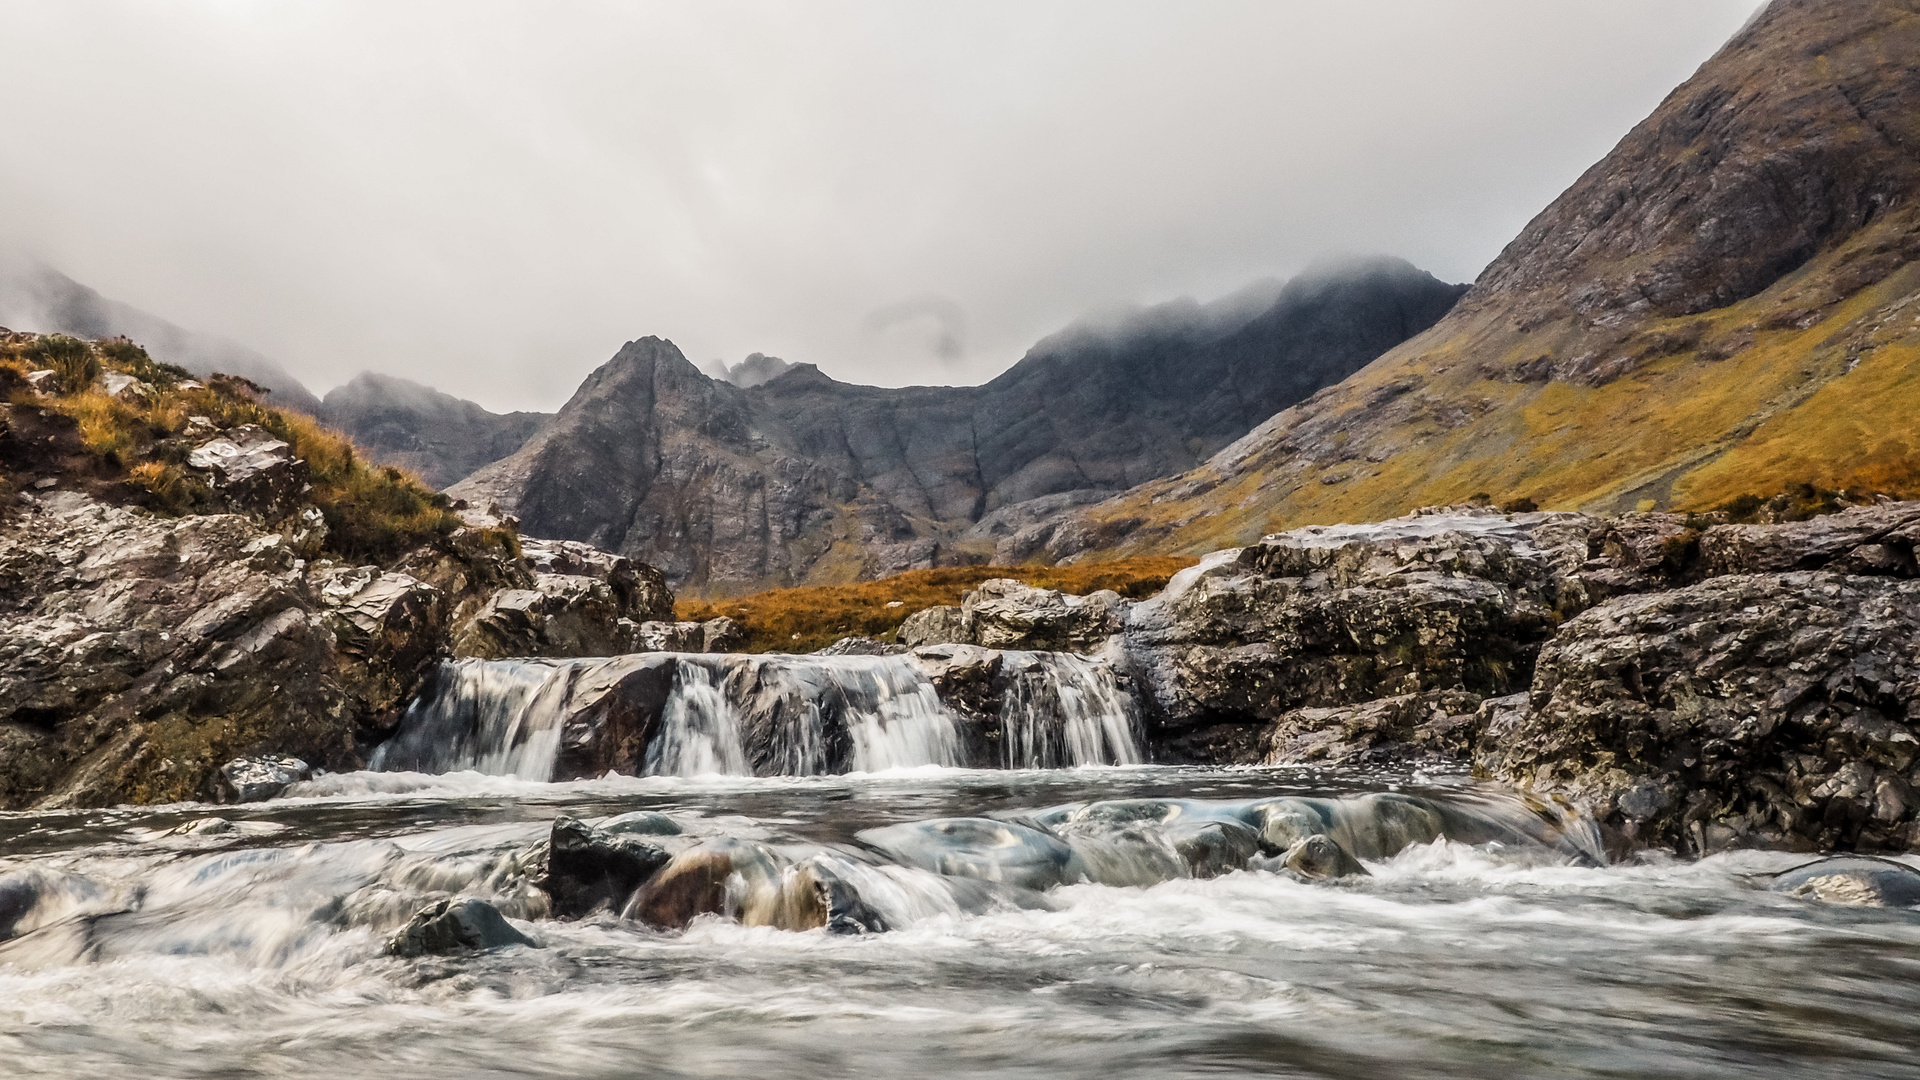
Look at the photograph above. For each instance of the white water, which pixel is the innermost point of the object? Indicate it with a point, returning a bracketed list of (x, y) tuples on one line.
[(500, 717), (770, 715), (1063, 710), (256, 952), (699, 732)]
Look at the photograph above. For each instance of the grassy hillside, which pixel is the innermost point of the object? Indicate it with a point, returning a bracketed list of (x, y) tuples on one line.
[(807, 618), (1727, 305), (134, 449)]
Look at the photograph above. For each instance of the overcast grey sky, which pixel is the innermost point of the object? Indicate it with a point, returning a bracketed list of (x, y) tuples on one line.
[(491, 196)]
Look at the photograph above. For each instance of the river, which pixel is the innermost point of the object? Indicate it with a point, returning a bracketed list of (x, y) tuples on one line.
[(163, 946)]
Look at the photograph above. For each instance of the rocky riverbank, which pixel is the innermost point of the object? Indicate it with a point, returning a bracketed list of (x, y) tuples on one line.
[(1698, 684)]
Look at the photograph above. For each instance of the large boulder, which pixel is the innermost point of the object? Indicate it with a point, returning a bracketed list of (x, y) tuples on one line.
[(1778, 710), (1440, 726), (591, 869), (1006, 614), (1332, 616)]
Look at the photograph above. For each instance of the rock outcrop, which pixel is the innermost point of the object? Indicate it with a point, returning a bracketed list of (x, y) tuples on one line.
[(802, 478), (139, 654)]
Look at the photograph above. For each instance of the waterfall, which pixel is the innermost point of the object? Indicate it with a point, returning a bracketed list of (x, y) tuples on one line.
[(1064, 709), (699, 729), (501, 717), (728, 715)]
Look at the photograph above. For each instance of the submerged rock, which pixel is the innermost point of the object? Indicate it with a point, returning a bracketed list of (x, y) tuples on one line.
[(1853, 880), (463, 924)]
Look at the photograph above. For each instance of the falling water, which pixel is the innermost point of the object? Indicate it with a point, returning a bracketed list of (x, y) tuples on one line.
[(1063, 709), (699, 730), (500, 717)]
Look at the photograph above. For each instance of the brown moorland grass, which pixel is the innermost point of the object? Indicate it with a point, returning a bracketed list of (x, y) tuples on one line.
[(809, 617)]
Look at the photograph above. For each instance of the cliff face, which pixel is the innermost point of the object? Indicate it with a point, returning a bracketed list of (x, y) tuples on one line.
[(805, 479), (1723, 305), (439, 437)]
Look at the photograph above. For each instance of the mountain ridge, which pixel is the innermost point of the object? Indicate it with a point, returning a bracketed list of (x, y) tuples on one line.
[(1718, 307), (806, 479)]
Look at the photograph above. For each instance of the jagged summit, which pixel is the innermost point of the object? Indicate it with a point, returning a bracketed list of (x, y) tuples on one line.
[(804, 478), (1721, 306)]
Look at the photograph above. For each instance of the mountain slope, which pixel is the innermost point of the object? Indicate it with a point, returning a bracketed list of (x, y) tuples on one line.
[(803, 479), (1725, 304), (437, 436), (41, 299)]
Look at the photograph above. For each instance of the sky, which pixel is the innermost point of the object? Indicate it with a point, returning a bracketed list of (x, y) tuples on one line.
[(490, 196)]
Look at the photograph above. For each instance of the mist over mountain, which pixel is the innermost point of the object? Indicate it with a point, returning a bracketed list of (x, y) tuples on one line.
[(804, 478), (37, 297), (1724, 305), (437, 436)]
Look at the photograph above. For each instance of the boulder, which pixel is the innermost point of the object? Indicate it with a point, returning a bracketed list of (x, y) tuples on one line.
[(639, 590), (1776, 710), (252, 472), (254, 779), (591, 869), (1006, 614), (463, 924), (942, 625), (1334, 616)]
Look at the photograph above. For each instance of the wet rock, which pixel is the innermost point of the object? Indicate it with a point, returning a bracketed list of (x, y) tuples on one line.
[(255, 779), (1774, 710), (817, 894), (1319, 858), (1212, 848), (463, 924), (942, 625), (981, 848), (1853, 879), (591, 869)]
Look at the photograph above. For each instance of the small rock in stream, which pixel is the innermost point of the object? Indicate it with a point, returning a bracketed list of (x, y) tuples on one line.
[(1853, 879), (457, 925), (254, 779)]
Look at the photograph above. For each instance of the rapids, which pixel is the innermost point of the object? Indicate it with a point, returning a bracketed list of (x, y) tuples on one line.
[(223, 941)]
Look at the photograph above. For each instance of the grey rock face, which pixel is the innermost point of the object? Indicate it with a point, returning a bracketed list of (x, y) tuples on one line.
[(252, 472), (1440, 725), (1753, 709), (730, 489), (464, 924)]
